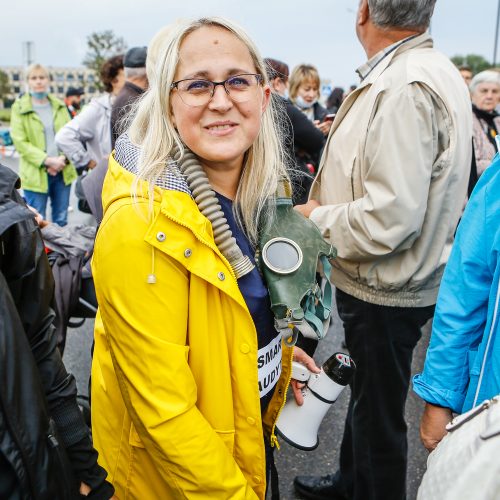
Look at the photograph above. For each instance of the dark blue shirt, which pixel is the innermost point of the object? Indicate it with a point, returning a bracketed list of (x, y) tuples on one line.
[(256, 296)]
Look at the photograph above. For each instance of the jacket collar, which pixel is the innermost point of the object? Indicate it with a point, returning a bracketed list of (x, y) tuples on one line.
[(364, 70), (26, 106), (421, 41), (175, 204)]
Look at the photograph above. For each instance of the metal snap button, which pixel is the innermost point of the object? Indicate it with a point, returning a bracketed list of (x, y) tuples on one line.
[(221, 276), (188, 252), (160, 236)]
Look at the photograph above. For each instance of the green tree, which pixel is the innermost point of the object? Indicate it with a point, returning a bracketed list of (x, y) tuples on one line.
[(4, 87), (475, 62), (102, 45)]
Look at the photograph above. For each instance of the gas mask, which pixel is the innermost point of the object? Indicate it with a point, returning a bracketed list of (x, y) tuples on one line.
[(289, 251)]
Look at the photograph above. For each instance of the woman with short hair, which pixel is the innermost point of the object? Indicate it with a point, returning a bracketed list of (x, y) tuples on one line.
[(45, 173), (304, 93), (485, 95)]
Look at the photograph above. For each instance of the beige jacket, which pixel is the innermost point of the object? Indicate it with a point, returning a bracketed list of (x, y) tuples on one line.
[(394, 175)]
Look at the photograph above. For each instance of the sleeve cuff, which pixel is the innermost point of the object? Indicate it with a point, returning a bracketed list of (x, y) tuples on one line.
[(438, 396)]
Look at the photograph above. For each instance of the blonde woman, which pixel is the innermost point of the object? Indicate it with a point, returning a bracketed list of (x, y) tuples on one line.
[(45, 173), (189, 373), (304, 93)]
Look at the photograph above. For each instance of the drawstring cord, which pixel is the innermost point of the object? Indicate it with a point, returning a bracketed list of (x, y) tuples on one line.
[(152, 277)]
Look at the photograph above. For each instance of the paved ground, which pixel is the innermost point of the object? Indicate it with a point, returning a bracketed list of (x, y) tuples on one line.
[(290, 461)]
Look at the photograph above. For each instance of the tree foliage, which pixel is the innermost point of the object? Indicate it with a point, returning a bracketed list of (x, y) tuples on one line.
[(102, 45), (4, 85), (475, 62)]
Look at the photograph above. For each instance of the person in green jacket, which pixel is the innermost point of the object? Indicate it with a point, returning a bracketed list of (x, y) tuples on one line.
[(45, 173)]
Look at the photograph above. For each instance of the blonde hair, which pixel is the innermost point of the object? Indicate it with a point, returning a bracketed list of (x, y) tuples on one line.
[(152, 129), (35, 67), (300, 74)]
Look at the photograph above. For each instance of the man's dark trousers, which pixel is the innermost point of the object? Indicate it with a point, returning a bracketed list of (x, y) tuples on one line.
[(381, 340)]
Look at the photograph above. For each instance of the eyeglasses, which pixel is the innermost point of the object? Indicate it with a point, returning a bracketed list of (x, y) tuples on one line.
[(196, 92)]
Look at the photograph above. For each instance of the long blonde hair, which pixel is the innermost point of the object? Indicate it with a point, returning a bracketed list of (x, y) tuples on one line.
[(151, 127)]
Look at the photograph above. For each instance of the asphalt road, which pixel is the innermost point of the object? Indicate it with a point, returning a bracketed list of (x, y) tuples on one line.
[(290, 461)]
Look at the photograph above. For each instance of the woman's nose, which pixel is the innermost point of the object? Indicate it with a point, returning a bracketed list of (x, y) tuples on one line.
[(220, 99)]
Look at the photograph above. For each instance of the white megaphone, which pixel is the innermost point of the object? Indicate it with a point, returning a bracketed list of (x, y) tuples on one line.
[(298, 425)]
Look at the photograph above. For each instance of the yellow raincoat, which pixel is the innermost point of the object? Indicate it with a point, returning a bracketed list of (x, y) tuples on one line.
[(175, 397)]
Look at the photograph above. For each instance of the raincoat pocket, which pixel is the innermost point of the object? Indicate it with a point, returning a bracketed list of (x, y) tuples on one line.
[(133, 438), (228, 439)]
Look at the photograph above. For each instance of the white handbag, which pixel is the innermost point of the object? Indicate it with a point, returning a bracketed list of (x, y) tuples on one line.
[(466, 463)]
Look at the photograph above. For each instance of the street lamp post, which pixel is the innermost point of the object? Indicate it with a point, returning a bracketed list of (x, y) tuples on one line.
[(496, 35)]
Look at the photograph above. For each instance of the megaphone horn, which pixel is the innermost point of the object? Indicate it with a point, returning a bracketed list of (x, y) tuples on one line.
[(298, 425)]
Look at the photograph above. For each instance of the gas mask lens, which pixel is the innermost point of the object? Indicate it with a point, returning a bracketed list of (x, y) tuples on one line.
[(281, 255)]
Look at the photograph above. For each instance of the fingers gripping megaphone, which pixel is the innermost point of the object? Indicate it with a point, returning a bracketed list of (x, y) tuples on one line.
[(298, 425)]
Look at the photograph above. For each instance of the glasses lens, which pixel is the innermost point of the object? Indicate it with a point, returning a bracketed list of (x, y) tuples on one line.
[(195, 92), (241, 88)]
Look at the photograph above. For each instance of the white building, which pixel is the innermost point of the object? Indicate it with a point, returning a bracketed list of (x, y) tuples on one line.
[(60, 79)]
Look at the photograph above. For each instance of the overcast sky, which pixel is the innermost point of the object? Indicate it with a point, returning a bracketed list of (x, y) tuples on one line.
[(320, 32)]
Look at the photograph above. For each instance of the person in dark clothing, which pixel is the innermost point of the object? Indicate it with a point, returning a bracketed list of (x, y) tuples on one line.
[(136, 82), (73, 100), (304, 93), (335, 100), (303, 141), (45, 446), (485, 96)]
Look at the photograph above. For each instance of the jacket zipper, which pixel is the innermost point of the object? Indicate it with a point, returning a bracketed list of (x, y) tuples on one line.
[(274, 439)]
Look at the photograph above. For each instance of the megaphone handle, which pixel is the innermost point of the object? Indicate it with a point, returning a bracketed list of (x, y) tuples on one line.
[(300, 372)]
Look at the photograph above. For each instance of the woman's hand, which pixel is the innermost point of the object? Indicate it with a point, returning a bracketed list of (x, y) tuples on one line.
[(55, 164), (302, 357), (85, 491), (324, 126), (306, 209), (433, 425)]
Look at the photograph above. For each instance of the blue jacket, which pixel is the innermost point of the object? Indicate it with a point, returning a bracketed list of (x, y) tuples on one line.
[(462, 367)]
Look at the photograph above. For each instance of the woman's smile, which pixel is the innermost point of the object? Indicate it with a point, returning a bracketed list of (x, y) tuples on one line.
[(221, 128)]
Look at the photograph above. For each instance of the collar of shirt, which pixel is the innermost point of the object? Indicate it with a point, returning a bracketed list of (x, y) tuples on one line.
[(364, 70)]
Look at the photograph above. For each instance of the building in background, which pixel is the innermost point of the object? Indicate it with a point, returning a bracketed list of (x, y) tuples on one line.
[(60, 79)]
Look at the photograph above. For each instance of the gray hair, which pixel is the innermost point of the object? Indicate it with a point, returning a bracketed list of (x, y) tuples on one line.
[(134, 72), (487, 76), (409, 14)]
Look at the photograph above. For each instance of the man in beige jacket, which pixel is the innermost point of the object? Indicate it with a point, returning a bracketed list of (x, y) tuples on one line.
[(388, 195)]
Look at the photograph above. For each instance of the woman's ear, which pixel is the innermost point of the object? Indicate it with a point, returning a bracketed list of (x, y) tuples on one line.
[(266, 95)]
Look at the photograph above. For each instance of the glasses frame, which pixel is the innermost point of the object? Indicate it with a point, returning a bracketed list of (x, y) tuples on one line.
[(175, 85)]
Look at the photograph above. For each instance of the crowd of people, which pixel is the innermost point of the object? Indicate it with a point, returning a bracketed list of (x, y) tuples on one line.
[(197, 124)]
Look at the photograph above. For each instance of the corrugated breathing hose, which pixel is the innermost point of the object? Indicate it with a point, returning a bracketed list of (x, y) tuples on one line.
[(207, 202)]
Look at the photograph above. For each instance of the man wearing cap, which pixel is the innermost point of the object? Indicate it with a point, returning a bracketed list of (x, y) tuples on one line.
[(73, 100), (136, 82)]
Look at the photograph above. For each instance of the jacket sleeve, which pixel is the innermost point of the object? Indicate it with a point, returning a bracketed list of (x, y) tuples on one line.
[(32, 293), (18, 132), (461, 312), (399, 155), (146, 328), (72, 137)]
